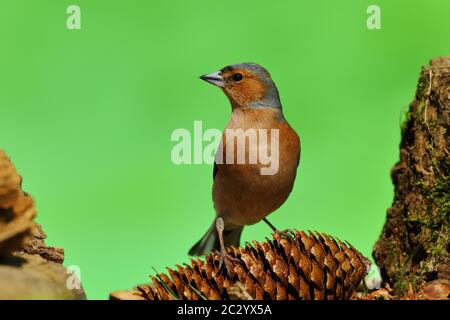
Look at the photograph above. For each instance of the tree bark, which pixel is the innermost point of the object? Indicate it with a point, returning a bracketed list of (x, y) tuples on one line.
[(414, 245), (29, 269)]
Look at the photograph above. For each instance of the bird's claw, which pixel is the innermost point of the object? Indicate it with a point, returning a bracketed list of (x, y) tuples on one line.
[(286, 234), (226, 260)]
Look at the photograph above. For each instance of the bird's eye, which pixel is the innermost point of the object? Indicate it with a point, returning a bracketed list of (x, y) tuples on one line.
[(237, 77)]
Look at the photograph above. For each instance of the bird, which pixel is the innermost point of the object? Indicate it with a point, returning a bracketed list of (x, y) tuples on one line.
[(241, 194)]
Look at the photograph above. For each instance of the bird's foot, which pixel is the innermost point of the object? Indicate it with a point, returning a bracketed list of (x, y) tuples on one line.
[(226, 260), (286, 234)]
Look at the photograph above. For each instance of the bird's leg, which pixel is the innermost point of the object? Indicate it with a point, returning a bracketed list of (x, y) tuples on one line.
[(270, 225), (225, 258), (285, 233)]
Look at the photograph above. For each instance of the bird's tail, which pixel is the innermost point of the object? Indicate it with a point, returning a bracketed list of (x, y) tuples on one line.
[(210, 241)]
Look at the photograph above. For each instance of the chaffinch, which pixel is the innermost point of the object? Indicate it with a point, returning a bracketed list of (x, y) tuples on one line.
[(242, 194)]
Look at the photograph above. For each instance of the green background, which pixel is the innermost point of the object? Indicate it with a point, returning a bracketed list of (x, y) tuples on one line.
[(86, 115)]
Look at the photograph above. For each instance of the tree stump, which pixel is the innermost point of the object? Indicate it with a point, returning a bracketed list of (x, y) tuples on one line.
[(414, 246)]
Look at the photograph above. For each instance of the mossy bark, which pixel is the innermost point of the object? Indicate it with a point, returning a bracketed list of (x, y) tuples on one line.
[(414, 245)]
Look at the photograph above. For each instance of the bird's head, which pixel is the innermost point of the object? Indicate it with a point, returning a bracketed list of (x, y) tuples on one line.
[(247, 85)]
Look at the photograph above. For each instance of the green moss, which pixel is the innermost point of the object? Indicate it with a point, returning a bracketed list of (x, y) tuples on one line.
[(401, 287), (426, 207), (403, 282)]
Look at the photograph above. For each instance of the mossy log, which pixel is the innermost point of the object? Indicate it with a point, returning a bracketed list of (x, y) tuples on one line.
[(414, 246)]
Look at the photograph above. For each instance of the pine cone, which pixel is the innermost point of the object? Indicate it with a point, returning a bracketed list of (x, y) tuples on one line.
[(16, 209), (300, 266)]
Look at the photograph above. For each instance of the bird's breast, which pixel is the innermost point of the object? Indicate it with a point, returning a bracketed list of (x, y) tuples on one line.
[(260, 154)]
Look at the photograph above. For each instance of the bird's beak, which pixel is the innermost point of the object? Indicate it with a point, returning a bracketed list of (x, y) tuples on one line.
[(214, 78)]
